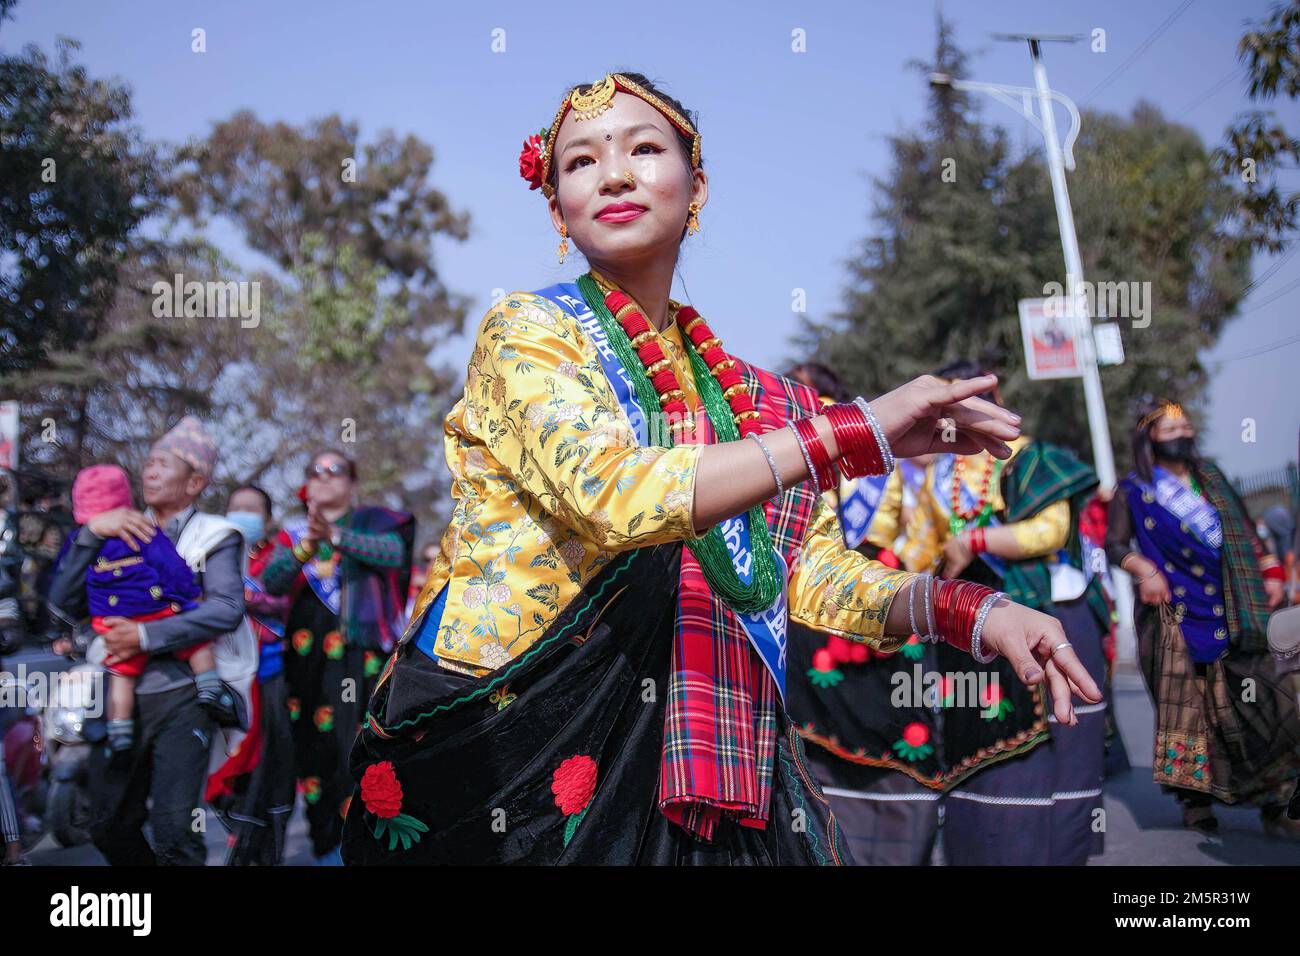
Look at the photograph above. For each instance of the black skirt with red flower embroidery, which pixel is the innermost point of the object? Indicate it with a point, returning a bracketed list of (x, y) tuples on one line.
[(554, 757)]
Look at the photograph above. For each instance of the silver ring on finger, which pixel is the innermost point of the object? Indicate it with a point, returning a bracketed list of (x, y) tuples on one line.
[(1057, 648)]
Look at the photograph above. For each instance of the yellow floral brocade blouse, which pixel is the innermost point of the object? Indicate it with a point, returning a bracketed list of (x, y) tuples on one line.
[(549, 484), (1041, 535)]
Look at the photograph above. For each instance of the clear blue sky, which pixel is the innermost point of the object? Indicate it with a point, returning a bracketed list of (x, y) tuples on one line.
[(790, 140)]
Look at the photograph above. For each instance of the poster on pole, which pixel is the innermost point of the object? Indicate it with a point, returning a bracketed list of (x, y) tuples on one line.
[(9, 435), (1050, 350)]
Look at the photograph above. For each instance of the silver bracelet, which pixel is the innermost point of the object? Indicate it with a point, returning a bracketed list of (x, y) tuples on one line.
[(812, 472), (886, 453), (977, 631), (932, 631), (911, 604), (771, 463)]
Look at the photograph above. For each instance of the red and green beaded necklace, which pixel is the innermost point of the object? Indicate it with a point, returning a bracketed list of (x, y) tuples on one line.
[(959, 517), (730, 408)]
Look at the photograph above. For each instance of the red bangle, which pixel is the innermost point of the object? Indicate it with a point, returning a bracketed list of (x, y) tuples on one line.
[(823, 472), (1275, 573), (859, 452), (956, 603), (976, 541)]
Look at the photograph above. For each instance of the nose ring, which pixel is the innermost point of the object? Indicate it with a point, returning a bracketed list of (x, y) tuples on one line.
[(631, 180)]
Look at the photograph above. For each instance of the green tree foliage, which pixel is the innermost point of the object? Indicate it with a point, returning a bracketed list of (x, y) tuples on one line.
[(1256, 145), (78, 181), (353, 303), (964, 227)]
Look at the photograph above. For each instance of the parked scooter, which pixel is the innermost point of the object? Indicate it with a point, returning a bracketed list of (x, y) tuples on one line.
[(74, 722)]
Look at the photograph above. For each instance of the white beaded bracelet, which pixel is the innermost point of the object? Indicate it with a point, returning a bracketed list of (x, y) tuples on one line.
[(771, 463), (976, 649)]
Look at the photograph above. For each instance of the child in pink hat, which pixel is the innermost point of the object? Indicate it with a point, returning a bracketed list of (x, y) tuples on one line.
[(145, 585)]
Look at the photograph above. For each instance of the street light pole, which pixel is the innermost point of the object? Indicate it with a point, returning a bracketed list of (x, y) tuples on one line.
[(1098, 426), (1058, 161)]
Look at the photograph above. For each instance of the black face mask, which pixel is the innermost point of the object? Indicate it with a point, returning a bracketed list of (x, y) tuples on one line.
[(1176, 449)]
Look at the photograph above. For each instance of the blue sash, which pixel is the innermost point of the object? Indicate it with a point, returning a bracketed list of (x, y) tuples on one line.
[(270, 654), (766, 629), (1188, 507), (1179, 546), (859, 506), (327, 588), (272, 624)]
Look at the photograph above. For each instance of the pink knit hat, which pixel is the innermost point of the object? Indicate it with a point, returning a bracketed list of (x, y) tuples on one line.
[(97, 489)]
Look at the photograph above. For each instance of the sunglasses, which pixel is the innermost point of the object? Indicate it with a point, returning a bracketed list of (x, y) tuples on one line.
[(320, 471)]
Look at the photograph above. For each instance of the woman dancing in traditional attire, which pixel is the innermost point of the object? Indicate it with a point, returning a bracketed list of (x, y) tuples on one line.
[(1226, 722), (1019, 788), (595, 667), (844, 697)]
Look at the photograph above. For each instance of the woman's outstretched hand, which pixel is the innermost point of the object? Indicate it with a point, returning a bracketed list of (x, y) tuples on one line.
[(931, 415), (1027, 639)]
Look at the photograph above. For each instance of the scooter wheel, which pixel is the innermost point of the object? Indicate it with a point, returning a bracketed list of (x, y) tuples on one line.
[(68, 813)]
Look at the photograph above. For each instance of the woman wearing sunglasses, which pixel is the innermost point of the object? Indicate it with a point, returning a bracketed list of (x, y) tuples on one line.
[(346, 569)]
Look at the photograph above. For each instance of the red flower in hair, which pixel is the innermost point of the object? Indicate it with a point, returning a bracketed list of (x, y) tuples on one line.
[(302, 493), (573, 784), (380, 790), (530, 161)]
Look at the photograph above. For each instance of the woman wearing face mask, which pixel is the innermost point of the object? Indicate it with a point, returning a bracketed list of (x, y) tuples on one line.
[(595, 669), (253, 792), (1226, 726)]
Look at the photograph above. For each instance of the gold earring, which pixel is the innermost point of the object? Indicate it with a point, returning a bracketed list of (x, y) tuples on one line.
[(564, 242), (631, 180), (693, 223)]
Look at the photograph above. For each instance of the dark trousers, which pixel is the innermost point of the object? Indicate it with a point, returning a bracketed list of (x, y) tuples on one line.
[(167, 766), (259, 814)]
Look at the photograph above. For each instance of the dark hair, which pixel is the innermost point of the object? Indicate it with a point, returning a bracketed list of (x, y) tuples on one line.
[(825, 381), (685, 142), (352, 465), (256, 489), (1143, 456)]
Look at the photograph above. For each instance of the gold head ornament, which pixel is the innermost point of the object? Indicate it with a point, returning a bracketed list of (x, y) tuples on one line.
[(1171, 410), (590, 101)]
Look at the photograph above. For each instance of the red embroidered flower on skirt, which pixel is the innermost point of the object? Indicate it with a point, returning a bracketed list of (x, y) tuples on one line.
[(380, 791), (573, 784)]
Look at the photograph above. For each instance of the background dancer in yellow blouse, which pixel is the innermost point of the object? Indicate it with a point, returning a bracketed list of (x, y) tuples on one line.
[(594, 670), (1020, 787)]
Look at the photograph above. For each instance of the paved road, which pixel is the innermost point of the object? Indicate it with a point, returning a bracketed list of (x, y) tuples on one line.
[(1144, 827)]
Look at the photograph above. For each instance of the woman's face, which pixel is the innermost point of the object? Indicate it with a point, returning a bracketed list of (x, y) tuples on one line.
[(590, 159), (245, 499), (1167, 429), (329, 482)]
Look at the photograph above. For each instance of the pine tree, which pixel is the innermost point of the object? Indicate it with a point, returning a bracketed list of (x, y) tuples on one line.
[(964, 229)]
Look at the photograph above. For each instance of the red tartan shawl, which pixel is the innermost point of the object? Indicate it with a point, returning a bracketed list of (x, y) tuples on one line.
[(721, 722)]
